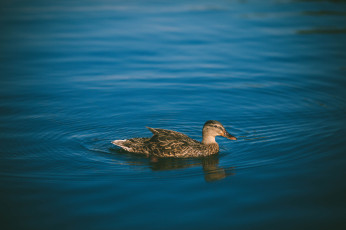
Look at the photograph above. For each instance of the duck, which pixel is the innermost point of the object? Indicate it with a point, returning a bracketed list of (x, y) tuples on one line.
[(169, 143)]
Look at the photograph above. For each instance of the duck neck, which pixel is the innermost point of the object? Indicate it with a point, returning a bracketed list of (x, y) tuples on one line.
[(208, 140)]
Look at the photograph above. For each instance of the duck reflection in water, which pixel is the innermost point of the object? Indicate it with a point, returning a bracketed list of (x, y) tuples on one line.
[(209, 164)]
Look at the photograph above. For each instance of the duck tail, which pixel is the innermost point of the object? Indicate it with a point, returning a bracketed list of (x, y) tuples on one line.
[(121, 143), (135, 145)]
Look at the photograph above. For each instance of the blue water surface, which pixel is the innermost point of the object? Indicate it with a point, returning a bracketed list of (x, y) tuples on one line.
[(76, 75)]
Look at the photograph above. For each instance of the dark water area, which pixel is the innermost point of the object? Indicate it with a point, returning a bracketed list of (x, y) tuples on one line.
[(76, 75)]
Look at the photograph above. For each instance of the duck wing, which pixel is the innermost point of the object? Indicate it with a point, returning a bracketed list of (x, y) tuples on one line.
[(168, 143), (172, 135)]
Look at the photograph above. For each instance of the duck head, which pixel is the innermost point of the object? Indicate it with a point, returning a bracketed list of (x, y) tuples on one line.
[(211, 129)]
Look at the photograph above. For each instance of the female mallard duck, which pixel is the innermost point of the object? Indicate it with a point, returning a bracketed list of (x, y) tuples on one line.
[(168, 143)]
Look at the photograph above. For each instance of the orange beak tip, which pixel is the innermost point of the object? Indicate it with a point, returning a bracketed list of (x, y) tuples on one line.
[(229, 136)]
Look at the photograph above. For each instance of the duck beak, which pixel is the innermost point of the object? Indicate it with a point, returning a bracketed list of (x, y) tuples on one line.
[(229, 136)]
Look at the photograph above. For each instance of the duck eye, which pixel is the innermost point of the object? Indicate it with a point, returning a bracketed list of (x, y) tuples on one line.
[(218, 127)]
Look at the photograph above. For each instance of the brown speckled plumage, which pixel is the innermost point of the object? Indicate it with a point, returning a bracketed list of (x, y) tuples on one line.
[(168, 143)]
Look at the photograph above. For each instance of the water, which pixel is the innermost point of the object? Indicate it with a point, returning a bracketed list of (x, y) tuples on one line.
[(76, 75)]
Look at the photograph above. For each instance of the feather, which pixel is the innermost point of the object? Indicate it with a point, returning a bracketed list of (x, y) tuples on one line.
[(169, 143)]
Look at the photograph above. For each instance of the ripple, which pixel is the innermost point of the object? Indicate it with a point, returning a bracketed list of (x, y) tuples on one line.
[(68, 147), (323, 31)]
